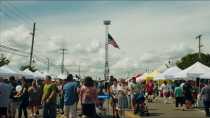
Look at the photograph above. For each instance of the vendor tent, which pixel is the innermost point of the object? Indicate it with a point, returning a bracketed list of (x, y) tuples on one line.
[(7, 71), (152, 75), (194, 71), (39, 74), (171, 72), (62, 76), (205, 76), (160, 77), (168, 74), (28, 74), (141, 78)]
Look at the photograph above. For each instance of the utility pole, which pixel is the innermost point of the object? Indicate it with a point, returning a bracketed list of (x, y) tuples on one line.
[(199, 45), (62, 61), (106, 70), (48, 65), (32, 45)]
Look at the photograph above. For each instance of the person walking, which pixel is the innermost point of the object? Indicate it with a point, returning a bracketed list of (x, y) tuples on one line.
[(5, 90), (60, 98), (49, 98), (205, 94), (88, 97), (187, 90), (122, 104), (114, 92), (178, 93), (166, 92), (70, 97), (149, 90), (34, 94), (13, 100), (23, 96)]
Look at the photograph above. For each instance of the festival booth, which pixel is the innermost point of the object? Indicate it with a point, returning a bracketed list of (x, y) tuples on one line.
[(168, 74), (205, 76), (28, 74), (152, 75), (136, 77), (39, 75), (62, 76), (193, 72), (141, 78), (6, 72), (160, 77)]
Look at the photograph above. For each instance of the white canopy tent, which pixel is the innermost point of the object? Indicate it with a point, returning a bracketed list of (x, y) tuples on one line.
[(168, 74), (6, 72), (205, 76), (39, 74), (160, 77), (171, 72), (28, 74), (62, 76), (194, 71)]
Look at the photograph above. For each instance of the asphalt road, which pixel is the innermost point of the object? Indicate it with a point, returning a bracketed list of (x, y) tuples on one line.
[(160, 110)]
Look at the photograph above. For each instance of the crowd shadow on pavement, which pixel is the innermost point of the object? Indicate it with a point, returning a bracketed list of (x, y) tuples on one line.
[(155, 114)]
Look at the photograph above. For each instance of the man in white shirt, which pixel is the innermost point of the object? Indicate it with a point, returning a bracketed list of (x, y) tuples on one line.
[(165, 89)]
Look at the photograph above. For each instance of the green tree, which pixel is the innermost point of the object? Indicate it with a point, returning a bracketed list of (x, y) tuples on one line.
[(190, 59), (4, 61)]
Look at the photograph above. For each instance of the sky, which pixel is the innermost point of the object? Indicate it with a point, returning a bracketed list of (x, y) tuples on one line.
[(149, 33)]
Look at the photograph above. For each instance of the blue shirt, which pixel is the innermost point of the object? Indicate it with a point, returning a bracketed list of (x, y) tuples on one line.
[(5, 91), (70, 93)]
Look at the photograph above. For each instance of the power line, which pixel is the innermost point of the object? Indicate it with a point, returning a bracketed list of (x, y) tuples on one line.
[(8, 51), (18, 10), (16, 14), (13, 49)]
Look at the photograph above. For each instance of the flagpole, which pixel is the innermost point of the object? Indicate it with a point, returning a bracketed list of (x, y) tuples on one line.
[(106, 69)]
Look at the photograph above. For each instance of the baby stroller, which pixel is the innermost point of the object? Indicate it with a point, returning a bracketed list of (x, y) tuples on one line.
[(141, 106)]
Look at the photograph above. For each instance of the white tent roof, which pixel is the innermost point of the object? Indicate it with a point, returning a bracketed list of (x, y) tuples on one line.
[(62, 76), (6, 71), (45, 73), (39, 74), (171, 72), (168, 74), (193, 71), (28, 74), (205, 76), (160, 77)]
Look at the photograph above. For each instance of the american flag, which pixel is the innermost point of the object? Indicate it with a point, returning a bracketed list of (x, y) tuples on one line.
[(112, 41)]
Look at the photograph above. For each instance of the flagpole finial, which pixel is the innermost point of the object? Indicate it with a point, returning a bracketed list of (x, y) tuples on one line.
[(107, 22)]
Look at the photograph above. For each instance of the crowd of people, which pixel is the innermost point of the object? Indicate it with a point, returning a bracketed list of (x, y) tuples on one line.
[(67, 96)]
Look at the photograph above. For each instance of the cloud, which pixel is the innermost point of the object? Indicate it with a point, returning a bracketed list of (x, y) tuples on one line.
[(148, 34), (17, 37)]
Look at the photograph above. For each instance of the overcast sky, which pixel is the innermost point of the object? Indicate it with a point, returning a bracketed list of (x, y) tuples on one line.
[(148, 33)]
